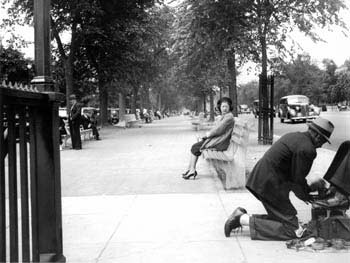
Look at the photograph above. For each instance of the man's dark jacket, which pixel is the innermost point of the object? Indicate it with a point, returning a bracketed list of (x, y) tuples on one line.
[(283, 168), (74, 125)]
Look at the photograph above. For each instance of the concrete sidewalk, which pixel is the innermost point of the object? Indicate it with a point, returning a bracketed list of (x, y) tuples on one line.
[(124, 201)]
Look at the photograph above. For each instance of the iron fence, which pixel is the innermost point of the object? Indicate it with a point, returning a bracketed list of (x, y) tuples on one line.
[(30, 183)]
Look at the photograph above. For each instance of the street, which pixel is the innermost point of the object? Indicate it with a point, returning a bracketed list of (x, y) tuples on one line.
[(341, 121)]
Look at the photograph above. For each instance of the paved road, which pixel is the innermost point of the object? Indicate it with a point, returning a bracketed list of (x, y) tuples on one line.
[(341, 121)]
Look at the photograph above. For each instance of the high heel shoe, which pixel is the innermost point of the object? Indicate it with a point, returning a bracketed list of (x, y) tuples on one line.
[(186, 177), (185, 173)]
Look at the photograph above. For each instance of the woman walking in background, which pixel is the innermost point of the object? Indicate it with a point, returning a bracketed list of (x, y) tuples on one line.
[(217, 138)]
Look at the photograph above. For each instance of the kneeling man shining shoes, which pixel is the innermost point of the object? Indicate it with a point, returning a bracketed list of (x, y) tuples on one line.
[(282, 169)]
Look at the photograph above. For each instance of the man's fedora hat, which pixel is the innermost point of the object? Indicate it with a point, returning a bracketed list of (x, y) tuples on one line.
[(323, 127), (72, 97)]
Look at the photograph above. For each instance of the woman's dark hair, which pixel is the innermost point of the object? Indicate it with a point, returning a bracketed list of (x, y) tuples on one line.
[(227, 100)]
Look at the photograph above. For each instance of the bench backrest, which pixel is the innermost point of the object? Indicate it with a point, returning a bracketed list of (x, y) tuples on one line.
[(239, 136), (240, 132)]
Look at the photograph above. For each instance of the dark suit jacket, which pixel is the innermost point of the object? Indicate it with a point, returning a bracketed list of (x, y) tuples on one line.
[(283, 168), (74, 125), (75, 113)]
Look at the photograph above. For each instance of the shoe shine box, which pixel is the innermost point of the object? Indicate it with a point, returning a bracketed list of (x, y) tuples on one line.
[(334, 227), (319, 213)]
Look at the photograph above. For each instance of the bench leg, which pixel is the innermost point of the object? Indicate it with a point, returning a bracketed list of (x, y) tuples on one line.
[(64, 141), (235, 175), (232, 174)]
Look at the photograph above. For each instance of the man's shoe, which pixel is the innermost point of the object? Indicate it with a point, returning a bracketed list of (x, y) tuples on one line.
[(233, 221), (338, 201)]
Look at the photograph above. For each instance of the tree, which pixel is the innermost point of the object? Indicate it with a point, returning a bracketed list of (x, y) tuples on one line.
[(248, 92), (272, 20), (301, 76), (66, 16), (104, 39), (15, 66), (117, 46), (329, 79), (340, 91), (210, 32)]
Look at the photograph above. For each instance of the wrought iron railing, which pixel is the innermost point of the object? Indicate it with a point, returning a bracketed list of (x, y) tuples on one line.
[(30, 183)]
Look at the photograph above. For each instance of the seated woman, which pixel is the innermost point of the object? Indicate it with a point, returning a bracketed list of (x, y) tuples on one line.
[(217, 138)]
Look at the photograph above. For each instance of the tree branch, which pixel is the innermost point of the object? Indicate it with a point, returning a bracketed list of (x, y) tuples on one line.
[(58, 38)]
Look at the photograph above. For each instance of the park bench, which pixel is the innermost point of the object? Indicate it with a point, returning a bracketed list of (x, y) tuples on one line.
[(230, 165), (85, 134), (129, 121), (65, 139)]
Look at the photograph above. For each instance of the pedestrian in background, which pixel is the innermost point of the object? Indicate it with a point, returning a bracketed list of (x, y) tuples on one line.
[(93, 123), (75, 122)]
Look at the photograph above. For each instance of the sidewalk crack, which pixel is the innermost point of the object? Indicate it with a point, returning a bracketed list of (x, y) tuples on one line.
[(115, 230)]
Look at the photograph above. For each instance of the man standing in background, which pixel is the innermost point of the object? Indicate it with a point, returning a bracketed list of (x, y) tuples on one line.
[(74, 122)]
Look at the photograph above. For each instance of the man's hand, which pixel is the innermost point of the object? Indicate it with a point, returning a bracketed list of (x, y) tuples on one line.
[(318, 185)]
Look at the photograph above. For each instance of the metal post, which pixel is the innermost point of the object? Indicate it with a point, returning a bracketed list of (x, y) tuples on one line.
[(271, 82), (42, 80), (259, 115), (48, 168)]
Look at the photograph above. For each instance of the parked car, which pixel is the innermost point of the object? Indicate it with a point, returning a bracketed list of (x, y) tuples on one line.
[(88, 111), (342, 107), (243, 109), (297, 108)]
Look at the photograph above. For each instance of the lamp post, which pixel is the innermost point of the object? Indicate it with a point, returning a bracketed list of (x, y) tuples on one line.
[(42, 80), (49, 215)]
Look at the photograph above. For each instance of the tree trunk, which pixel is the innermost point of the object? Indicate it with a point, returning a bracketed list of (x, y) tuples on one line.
[(121, 106), (159, 101), (147, 99), (231, 65), (68, 74), (103, 102), (211, 106), (142, 97), (68, 60), (264, 90), (135, 92), (205, 105)]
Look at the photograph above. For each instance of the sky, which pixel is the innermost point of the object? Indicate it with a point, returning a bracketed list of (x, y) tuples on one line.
[(336, 45)]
